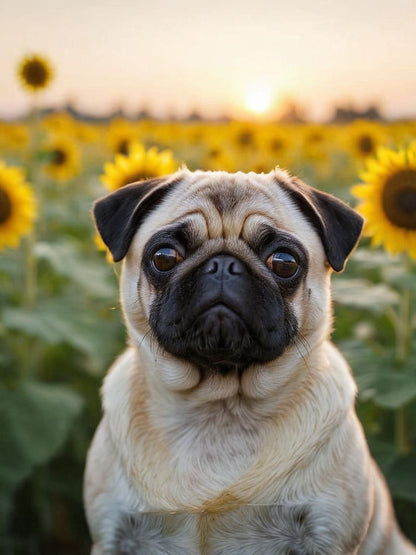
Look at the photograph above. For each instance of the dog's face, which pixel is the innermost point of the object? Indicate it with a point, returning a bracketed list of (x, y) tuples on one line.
[(227, 273)]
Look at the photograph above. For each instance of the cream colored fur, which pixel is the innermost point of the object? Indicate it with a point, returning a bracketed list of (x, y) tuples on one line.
[(186, 465)]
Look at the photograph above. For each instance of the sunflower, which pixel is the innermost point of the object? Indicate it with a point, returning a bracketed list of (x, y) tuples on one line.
[(219, 158), (17, 206), (13, 135), (137, 165), (86, 133), (365, 138), (59, 123), (278, 144), (35, 73), (64, 159), (388, 199), (215, 151), (243, 135), (120, 136)]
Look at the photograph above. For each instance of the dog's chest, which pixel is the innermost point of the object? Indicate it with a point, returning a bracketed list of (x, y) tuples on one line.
[(260, 530)]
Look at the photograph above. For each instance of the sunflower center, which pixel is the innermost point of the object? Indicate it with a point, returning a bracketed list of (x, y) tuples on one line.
[(35, 73), (399, 199), (245, 138), (276, 144), (316, 137), (214, 152), (58, 157), (123, 147), (5, 206), (366, 144)]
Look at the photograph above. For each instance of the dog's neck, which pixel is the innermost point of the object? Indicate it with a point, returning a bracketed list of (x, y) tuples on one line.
[(218, 447)]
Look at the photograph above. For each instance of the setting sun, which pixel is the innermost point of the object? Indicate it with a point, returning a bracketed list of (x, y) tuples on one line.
[(258, 98)]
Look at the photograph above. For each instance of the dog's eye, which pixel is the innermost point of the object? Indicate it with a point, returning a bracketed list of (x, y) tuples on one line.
[(166, 259), (283, 264)]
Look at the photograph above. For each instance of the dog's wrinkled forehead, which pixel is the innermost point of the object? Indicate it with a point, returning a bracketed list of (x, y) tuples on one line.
[(228, 206)]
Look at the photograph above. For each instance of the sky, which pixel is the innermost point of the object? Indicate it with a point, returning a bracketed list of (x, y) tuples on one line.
[(173, 57)]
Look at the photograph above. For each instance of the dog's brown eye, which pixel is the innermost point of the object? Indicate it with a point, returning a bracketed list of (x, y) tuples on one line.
[(166, 258), (283, 264)]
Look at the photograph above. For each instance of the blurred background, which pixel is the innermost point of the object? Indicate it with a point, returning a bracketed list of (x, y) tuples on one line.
[(95, 95)]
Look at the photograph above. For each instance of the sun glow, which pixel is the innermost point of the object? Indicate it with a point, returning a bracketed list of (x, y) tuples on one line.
[(258, 98)]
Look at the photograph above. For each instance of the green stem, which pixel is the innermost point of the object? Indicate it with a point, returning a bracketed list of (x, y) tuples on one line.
[(29, 244), (30, 259), (401, 431), (403, 335), (31, 272)]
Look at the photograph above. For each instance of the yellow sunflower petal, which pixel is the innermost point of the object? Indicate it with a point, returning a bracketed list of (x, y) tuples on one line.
[(389, 195), (64, 158), (18, 208), (139, 164)]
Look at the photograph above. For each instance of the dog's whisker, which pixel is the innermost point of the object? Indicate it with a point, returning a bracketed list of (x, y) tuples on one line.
[(145, 335), (304, 343)]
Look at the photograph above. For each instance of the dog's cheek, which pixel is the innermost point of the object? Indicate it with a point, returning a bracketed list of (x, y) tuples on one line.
[(316, 303), (296, 308), (146, 295), (136, 295)]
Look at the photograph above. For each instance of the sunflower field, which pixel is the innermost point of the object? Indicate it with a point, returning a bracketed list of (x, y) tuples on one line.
[(61, 324)]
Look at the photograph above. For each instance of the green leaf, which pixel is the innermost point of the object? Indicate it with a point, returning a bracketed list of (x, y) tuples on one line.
[(62, 321), (6, 506), (378, 377), (364, 294), (399, 276), (370, 259), (10, 268), (402, 478), (93, 277), (35, 419), (395, 389), (36, 323), (364, 365), (384, 453)]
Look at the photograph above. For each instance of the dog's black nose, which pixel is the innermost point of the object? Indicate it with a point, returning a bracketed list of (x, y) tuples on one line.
[(223, 267)]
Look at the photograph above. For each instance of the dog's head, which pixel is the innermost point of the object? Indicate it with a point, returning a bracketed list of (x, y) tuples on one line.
[(226, 273)]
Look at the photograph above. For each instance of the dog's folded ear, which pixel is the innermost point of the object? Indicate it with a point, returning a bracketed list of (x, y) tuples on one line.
[(119, 214), (337, 224)]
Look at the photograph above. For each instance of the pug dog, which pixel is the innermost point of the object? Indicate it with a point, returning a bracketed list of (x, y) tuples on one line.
[(228, 423)]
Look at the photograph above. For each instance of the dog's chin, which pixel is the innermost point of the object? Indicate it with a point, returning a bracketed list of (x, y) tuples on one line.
[(220, 341)]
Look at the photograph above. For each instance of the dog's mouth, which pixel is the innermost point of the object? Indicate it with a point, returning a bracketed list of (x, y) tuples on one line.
[(220, 339)]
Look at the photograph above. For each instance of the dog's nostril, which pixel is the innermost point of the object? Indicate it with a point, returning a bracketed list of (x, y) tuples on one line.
[(212, 266), (223, 265), (235, 267)]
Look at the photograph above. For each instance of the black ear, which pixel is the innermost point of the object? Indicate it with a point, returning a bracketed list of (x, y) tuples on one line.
[(337, 224), (119, 214)]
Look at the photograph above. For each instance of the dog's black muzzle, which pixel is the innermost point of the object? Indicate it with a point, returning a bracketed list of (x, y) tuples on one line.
[(219, 327), (222, 317)]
